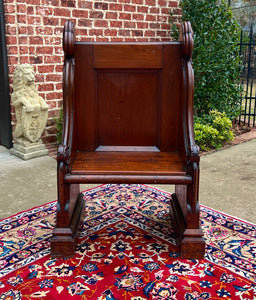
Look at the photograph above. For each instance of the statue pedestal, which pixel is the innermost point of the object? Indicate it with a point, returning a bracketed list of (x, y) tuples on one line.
[(30, 151)]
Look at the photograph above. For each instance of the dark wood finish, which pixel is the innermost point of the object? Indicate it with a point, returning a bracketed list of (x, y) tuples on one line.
[(128, 118), (5, 107)]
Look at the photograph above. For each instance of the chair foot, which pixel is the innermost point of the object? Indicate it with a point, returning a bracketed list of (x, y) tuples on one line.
[(63, 241), (193, 244), (62, 246)]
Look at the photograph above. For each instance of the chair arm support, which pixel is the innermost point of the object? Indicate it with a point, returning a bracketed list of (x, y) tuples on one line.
[(65, 148), (186, 37)]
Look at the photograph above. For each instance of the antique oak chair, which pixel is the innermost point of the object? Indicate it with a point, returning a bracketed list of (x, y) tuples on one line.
[(128, 118)]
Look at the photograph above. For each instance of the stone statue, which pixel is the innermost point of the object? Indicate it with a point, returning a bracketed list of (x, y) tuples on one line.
[(31, 110)]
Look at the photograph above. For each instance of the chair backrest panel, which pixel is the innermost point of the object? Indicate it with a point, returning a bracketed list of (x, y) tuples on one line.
[(128, 95)]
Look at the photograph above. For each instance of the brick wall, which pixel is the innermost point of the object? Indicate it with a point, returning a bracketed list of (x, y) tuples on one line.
[(34, 35)]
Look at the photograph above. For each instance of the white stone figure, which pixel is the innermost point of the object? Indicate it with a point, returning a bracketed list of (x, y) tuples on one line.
[(31, 113), (31, 109)]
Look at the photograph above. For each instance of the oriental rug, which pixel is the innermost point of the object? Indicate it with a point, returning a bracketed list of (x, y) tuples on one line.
[(126, 250)]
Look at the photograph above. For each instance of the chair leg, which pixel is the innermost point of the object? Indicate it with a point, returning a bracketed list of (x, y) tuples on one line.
[(70, 213), (193, 243), (185, 219)]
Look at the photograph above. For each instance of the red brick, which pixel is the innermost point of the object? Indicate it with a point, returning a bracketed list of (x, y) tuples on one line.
[(85, 4), (58, 50), (33, 2), (115, 6), (30, 30), (137, 33), (125, 16), (81, 32), (52, 59), (9, 19), (35, 40), (142, 25), (10, 30), (129, 25), (58, 30), (22, 29), (68, 3), (50, 2), (46, 69), (139, 17), (80, 13), (116, 39), (171, 3), (96, 32), (9, 8), (150, 18), (42, 30), (22, 19), (52, 40), (23, 40), (149, 33), (165, 10), (62, 12), (154, 39), (53, 96), (13, 50), (140, 2), (154, 10), (34, 20), (150, 2), (85, 23), (100, 23), (24, 59), (110, 32), (23, 50), (44, 11), (32, 50), (101, 39), (131, 8), (142, 9), (39, 77), (96, 14), (45, 87), (44, 50), (35, 59), (111, 15), (129, 39), (154, 25), (124, 32), (101, 5), (116, 24), (166, 26), (30, 10), (59, 85), (11, 40), (161, 33), (51, 21)]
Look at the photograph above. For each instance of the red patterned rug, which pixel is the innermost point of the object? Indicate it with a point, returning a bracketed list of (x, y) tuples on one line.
[(126, 251)]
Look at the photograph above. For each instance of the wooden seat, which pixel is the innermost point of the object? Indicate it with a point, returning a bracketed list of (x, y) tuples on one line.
[(128, 118)]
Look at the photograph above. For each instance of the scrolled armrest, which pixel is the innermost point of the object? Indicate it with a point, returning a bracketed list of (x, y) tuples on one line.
[(194, 154), (63, 154)]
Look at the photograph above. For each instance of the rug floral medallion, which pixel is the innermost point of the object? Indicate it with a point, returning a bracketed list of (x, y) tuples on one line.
[(126, 250)]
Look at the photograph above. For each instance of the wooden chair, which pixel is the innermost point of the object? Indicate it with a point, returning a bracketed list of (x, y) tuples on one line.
[(128, 118)]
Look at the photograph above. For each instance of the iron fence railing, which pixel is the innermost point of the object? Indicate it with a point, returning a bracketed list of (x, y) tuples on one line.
[(248, 77)]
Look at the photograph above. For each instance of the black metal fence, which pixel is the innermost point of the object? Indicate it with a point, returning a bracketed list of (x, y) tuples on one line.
[(248, 76)]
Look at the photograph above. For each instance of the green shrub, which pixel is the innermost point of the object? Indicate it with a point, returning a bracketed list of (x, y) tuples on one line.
[(216, 59), (59, 121), (214, 134)]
